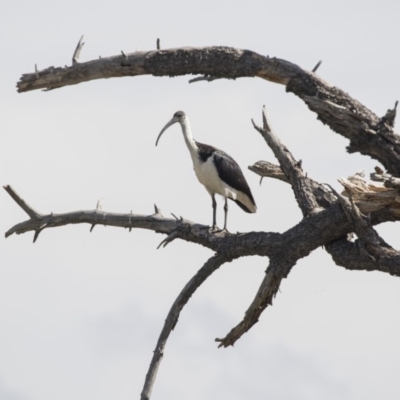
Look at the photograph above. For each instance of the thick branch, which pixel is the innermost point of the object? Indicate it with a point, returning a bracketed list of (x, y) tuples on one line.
[(360, 222), (218, 62), (350, 255), (297, 242), (368, 134), (209, 267)]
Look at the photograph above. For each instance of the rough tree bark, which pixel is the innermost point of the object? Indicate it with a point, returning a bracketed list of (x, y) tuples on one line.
[(329, 218)]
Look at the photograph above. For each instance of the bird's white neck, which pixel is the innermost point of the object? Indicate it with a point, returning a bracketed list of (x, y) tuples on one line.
[(187, 134)]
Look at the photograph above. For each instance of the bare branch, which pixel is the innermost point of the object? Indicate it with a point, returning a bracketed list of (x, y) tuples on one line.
[(269, 170), (209, 267), (370, 244), (292, 169), (77, 53), (219, 241), (264, 297), (21, 202), (350, 255), (334, 107), (221, 62), (299, 241), (350, 119), (323, 197)]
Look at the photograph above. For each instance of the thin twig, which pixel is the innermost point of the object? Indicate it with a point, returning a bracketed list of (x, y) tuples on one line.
[(206, 78), (157, 211), (317, 66), (77, 53), (188, 230)]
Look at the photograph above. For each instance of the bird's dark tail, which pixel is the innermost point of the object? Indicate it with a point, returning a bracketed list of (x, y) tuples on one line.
[(242, 206)]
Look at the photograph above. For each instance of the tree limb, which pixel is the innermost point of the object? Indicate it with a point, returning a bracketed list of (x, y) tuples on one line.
[(21, 202), (292, 169), (368, 134), (269, 170), (208, 268), (221, 62), (264, 297), (349, 255)]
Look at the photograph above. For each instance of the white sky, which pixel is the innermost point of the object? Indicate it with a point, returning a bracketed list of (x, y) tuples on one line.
[(80, 313)]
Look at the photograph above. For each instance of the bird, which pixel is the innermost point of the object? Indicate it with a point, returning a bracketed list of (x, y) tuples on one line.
[(217, 171)]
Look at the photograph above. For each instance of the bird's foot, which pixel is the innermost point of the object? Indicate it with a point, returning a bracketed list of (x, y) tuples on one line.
[(215, 229)]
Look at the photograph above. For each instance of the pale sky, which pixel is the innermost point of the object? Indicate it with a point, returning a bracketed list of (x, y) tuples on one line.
[(80, 312)]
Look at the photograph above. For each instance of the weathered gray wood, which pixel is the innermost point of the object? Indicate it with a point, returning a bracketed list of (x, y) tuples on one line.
[(346, 116), (225, 62), (269, 170), (292, 168), (21, 202), (264, 297), (349, 255), (172, 318), (312, 232)]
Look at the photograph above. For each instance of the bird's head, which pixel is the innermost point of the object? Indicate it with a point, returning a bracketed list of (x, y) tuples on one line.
[(179, 116)]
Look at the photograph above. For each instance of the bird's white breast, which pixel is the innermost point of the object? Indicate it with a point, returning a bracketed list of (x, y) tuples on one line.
[(207, 175)]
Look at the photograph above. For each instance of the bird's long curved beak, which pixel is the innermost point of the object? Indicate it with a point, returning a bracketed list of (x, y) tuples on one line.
[(173, 121)]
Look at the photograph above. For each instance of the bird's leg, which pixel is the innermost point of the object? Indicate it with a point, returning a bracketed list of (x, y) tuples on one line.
[(226, 213), (214, 205)]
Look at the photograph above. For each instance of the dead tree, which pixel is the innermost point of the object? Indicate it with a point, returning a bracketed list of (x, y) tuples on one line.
[(330, 219)]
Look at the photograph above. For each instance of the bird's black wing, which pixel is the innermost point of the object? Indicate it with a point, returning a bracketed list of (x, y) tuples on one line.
[(230, 172)]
